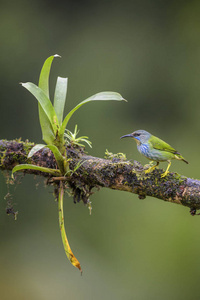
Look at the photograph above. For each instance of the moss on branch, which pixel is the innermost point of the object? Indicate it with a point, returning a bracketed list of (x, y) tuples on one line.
[(113, 173)]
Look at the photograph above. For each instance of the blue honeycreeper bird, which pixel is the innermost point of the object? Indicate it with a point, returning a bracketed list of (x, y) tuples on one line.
[(154, 149)]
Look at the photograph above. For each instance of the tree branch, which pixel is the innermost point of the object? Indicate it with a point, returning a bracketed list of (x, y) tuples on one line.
[(88, 172)]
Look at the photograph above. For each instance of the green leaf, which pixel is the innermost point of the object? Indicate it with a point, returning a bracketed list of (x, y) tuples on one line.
[(46, 126), (44, 74), (60, 97), (35, 149), (103, 96), (49, 125), (37, 168), (62, 163)]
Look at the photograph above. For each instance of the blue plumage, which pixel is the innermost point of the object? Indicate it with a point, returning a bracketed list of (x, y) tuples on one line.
[(152, 154)]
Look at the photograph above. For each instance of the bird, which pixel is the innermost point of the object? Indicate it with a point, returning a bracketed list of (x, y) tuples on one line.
[(154, 149)]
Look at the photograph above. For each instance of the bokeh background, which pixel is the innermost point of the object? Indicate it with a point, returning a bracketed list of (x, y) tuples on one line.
[(149, 51)]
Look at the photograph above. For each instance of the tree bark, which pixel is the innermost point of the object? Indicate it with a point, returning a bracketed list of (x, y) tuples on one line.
[(88, 172)]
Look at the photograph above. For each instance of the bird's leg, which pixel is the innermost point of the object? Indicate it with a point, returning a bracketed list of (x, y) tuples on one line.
[(166, 172), (152, 168)]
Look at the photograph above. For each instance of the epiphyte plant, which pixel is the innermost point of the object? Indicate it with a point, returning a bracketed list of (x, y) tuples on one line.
[(55, 135)]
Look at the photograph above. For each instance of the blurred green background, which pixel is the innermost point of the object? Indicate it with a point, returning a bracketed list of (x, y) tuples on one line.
[(149, 51)]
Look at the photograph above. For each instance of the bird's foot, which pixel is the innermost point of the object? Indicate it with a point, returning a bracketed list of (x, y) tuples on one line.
[(151, 168), (164, 174)]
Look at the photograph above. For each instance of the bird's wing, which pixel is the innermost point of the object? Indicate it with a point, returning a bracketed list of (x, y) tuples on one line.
[(161, 145)]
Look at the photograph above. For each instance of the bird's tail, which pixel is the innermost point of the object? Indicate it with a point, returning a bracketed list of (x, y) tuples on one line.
[(185, 161), (180, 157)]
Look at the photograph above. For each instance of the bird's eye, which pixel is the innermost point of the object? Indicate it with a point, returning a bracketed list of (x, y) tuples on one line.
[(136, 134)]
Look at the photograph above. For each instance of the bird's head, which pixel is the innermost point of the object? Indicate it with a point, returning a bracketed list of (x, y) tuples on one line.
[(140, 136)]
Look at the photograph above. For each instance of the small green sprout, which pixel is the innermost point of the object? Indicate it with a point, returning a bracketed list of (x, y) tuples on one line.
[(71, 138), (110, 155), (77, 166)]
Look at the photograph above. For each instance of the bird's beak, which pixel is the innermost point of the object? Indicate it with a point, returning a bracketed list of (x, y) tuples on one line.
[(127, 135)]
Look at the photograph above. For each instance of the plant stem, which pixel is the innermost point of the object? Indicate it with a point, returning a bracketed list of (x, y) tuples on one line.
[(66, 245)]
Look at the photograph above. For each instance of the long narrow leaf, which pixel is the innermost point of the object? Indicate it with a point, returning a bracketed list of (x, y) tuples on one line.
[(35, 149), (50, 124), (60, 97), (44, 74), (37, 168), (42, 99), (58, 156), (46, 126), (103, 96), (66, 245)]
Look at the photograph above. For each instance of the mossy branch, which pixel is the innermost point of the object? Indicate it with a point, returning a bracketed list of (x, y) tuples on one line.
[(110, 173)]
